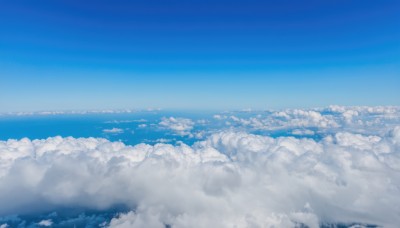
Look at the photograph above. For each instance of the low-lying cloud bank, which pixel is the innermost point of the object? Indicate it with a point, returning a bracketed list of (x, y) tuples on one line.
[(231, 179), (357, 119)]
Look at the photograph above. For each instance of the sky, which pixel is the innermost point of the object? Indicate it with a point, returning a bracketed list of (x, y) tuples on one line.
[(79, 55)]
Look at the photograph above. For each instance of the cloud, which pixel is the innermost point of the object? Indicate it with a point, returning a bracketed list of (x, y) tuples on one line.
[(125, 121), (163, 140), (219, 117), (46, 222), (113, 130), (181, 126), (321, 121), (303, 132), (230, 179), (287, 119)]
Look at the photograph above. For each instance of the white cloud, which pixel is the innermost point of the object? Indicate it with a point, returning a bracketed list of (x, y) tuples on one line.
[(163, 140), (230, 179), (113, 130), (46, 222), (181, 126), (288, 119), (219, 117), (323, 121), (119, 121)]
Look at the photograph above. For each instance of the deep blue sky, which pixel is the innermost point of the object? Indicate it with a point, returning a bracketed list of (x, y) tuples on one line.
[(198, 54)]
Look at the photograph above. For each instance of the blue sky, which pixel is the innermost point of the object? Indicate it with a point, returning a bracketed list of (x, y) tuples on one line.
[(57, 55)]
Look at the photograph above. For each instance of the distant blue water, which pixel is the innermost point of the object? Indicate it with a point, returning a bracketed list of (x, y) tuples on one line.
[(93, 125)]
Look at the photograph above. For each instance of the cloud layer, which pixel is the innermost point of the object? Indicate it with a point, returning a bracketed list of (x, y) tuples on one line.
[(358, 119), (230, 179)]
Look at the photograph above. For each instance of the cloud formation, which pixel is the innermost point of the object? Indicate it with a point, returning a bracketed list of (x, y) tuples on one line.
[(358, 119), (113, 130), (230, 179), (46, 222), (181, 126)]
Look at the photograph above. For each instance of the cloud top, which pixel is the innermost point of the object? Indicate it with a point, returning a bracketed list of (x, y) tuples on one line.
[(230, 179), (181, 126)]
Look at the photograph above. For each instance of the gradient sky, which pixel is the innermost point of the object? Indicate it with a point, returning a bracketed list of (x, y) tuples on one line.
[(63, 55)]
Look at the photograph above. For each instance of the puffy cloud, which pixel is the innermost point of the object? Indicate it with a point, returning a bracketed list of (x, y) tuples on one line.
[(181, 126), (280, 120), (230, 179), (288, 119), (321, 121), (45, 222), (365, 109)]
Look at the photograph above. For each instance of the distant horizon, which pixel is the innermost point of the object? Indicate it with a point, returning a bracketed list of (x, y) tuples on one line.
[(133, 110)]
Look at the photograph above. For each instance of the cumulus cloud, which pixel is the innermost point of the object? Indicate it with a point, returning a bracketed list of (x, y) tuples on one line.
[(230, 179), (181, 126), (294, 118), (45, 222), (321, 121)]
